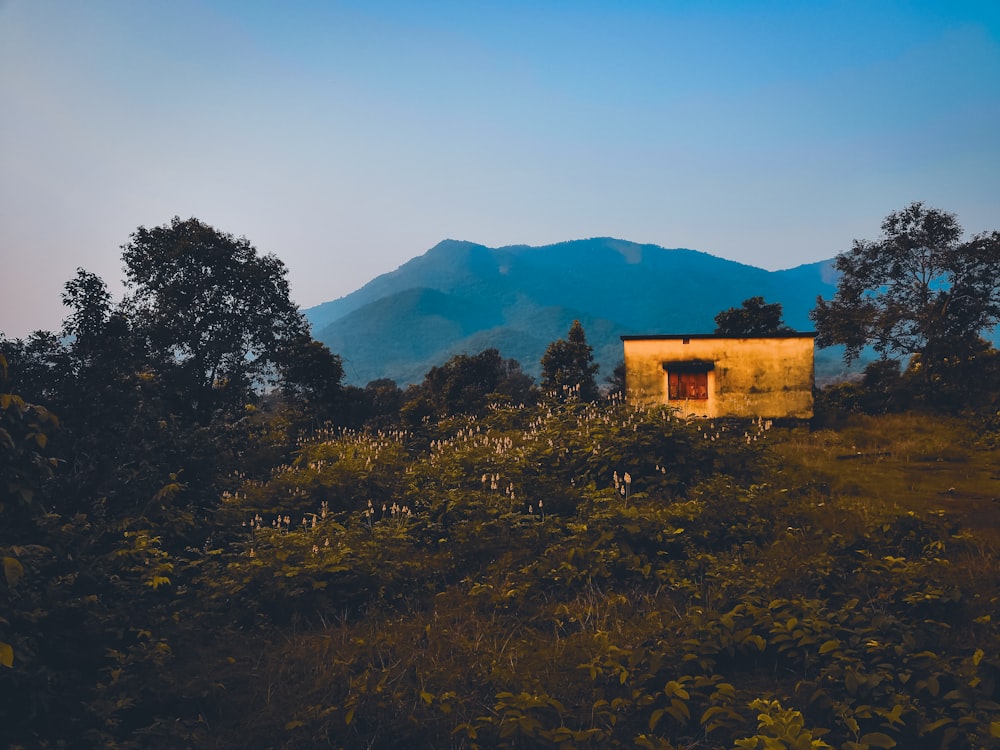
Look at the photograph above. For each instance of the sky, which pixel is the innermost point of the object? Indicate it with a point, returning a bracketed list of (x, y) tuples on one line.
[(349, 137)]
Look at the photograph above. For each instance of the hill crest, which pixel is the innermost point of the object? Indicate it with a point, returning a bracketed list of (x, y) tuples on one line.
[(463, 297)]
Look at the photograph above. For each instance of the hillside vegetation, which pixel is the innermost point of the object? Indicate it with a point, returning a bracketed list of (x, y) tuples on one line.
[(594, 576), (562, 575), (208, 541)]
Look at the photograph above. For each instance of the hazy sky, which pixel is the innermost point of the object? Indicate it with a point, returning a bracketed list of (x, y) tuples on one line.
[(348, 137)]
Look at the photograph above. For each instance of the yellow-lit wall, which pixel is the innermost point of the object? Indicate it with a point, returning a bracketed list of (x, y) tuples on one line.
[(750, 377)]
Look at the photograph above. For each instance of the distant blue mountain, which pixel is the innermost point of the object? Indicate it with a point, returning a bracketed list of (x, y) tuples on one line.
[(460, 297)]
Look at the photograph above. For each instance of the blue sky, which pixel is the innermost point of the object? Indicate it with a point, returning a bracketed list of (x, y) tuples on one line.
[(348, 137)]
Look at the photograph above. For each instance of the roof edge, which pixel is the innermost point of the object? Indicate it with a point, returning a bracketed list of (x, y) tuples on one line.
[(669, 336)]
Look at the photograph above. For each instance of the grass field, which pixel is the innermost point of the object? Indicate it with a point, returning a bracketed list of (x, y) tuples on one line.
[(910, 462)]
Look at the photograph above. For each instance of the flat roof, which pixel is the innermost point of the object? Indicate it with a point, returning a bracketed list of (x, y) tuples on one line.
[(663, 336)]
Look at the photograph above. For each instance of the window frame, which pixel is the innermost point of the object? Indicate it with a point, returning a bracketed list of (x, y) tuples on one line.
[(688, 380)]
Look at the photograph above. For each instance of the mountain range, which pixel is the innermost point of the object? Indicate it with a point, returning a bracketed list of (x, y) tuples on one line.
[(461, 298)]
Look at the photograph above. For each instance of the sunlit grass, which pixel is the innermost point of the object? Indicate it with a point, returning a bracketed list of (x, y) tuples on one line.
[(882, 465)]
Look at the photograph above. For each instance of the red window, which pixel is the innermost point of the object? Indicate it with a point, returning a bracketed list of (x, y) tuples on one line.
[(688, 385)]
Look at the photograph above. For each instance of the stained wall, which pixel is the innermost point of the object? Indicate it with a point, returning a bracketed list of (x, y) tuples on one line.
[(769, 377)]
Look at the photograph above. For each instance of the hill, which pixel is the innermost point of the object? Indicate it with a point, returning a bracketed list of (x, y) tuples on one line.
[(461, 297)]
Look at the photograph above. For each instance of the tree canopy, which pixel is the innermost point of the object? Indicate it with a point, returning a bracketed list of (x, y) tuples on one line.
[(212, 310), (917, 291), (311, 377), (568, 366), (466, 385), (754, 317)]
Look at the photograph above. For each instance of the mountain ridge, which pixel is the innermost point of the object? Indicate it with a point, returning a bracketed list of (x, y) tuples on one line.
[(463, 297)]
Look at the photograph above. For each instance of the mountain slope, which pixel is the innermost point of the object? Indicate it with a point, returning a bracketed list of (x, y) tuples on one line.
[(460, 297)]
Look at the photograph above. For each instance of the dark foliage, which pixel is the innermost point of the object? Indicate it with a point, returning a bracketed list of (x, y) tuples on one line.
[(568, 367), (508, 573), (311, 382), (754, 317), (918, 292), (616, 382), (213, 314), (467, 385), (155, 398)]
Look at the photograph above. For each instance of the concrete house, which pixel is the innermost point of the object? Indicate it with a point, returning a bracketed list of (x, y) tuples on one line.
[(721, 376)]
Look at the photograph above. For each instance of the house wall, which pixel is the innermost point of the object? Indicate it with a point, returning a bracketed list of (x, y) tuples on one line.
[(749, 377)]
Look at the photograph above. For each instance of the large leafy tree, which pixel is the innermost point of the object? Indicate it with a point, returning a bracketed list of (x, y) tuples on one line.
[(754, 317), (568, 366), (150, 393), (214, 313), (918, 291)]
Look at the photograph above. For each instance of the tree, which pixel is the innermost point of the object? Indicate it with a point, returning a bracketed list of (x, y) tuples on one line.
[(213, 312), (101, 356), (384, 399), (375, 406), (106, 520), (568, 366), (616, 381), (26, 466), (311, 379), (466, 385), (36, 366), (25, 463), (753, 318), (918, 291)]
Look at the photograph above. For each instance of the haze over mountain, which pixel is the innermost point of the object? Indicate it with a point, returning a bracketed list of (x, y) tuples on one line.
[(461, 298)]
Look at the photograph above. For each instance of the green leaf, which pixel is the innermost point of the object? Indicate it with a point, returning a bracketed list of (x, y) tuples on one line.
[(893, 716), (937, 725), (878, 739), (679, 710), (6, 654), (829, 646), (674, 688), (654, 719), (13, 571), (710, 712)]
